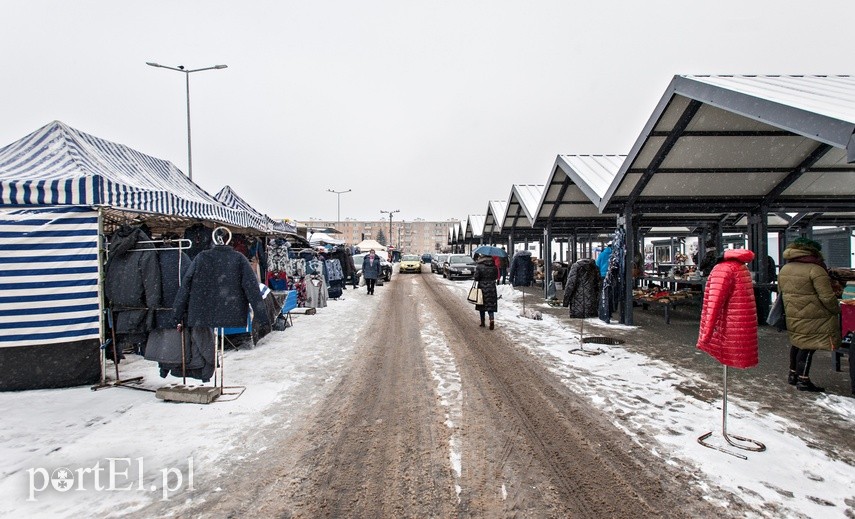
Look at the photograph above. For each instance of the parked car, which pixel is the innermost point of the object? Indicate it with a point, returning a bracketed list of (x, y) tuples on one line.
[(458, 266), (385, 266), (437, 262), (410, 263), (427, 258)]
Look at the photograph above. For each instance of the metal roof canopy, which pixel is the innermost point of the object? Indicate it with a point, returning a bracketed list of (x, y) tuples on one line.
[(576, 185), (730, 143), (521, 210), (474, 228), (493, 219), (740, 144)]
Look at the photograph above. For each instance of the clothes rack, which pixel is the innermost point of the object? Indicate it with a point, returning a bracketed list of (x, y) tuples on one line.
[(754, 446), (179, 244)]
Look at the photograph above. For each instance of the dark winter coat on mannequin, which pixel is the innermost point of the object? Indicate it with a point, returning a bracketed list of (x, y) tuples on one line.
[(485, 275), (728, 330), (522, 269), (218, 289), (582, 288), (132, 281)]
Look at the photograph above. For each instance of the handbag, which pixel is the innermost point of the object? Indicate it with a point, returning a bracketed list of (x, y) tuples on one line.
[(776, 317), (476, 295)]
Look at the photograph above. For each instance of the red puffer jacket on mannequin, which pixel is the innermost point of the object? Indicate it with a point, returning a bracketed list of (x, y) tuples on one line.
[(729, 316)]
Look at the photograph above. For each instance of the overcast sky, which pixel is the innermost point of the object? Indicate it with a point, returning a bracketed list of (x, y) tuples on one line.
[(431, 107)]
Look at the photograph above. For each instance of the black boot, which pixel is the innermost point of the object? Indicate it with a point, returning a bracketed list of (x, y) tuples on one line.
[(482, 323), (804, 384), (792, 378), (491, 324)]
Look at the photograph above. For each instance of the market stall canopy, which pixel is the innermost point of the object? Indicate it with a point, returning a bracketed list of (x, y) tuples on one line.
[(576, 186), (228, 197), (493, 219), (367, 245), (522, 207), (322, 238), (474, 227), (57, 165), (734, 143)]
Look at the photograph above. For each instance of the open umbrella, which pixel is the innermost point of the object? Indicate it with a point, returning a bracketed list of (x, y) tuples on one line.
[(489, 250)]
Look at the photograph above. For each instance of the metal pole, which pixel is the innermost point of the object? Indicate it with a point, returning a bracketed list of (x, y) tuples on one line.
[(189, 151)]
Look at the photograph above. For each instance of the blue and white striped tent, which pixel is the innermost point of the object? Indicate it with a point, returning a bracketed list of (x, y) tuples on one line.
[(227, 196), (59, 165), (54, 183)]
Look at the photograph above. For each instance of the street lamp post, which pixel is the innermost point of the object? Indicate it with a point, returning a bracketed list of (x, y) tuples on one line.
[(390, 213), (338, 195), (180, 68)]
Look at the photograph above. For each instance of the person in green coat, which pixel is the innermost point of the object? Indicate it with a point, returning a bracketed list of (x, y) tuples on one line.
[(811, 308)]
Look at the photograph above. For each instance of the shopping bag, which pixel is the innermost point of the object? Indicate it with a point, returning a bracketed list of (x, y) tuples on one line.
[(476, 296), (776, 317)]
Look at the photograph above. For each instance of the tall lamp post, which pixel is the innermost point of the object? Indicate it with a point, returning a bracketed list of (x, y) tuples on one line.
[(390, 213), (180, 68), (338, 195)]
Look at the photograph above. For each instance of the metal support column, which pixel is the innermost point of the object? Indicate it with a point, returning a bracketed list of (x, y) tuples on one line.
[(547, 258), (629, 227)]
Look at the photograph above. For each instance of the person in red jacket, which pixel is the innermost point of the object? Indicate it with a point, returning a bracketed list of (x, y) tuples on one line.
[(729, 316)]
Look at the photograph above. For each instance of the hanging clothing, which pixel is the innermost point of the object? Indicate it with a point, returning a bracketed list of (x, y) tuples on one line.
[(316, 292), (217, 290), (522, 269), (200, 354), (582, 289), (603, 260), (278, 259), (728, 330), (132, 281), (334, 269)]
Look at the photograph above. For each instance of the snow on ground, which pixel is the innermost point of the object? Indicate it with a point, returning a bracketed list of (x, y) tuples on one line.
[(641, 396), (76, 428), (286, 373), (448, 385)]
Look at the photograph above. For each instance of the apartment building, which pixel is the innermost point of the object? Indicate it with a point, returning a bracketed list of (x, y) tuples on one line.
[(412, 236)]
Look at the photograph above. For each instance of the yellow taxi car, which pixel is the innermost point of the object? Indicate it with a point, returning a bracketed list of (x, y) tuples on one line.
[(410, 263)]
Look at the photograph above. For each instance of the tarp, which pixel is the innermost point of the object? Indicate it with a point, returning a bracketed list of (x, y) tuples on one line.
[(49, 329), (367, 245), (320, 238), (59, 165)]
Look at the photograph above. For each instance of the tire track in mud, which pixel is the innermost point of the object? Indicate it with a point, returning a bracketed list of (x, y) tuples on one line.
[(523, 429)]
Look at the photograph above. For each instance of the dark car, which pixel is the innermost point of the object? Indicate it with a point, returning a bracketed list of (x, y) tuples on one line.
[(458, 266), (427, 258), (436, 263), (385, 266)]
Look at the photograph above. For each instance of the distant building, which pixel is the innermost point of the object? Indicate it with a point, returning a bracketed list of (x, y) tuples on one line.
[(417, 236)]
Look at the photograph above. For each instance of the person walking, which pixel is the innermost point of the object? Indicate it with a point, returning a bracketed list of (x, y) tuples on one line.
[(728, 330), (486, 275), (371, 270), (810, 306)]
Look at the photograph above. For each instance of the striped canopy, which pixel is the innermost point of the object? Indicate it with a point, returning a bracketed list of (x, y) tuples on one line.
[(58, 165)]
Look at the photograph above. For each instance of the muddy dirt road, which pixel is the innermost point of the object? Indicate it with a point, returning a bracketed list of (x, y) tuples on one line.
[(378, 444)]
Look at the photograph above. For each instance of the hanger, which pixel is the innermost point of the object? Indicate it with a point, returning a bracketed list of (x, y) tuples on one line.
[(218, 233)]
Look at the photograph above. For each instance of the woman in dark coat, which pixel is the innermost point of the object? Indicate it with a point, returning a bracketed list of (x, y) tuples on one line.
[(371, 270), (581, 291), (485, 275)]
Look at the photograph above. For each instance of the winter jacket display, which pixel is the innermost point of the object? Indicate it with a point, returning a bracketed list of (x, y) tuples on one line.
[(218, 289), (317, 292), (728, 330), (522, 269), (810, 304), (199, 345), (132, 281), (170, 281), (603, 261), (371, 269), (485, 275), (582, 288)]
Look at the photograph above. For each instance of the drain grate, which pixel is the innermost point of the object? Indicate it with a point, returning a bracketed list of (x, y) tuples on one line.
[(602, 340)]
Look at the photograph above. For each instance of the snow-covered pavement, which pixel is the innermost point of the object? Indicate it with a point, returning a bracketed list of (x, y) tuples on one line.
[(290, 371)]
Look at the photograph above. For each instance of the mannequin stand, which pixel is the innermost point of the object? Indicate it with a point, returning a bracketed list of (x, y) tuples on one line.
[(754, 446)]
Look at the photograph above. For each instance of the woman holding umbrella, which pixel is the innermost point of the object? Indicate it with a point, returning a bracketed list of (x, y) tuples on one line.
[(486, 275)]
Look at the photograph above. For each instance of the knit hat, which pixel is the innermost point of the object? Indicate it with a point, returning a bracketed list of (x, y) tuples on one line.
[(806, 244)]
